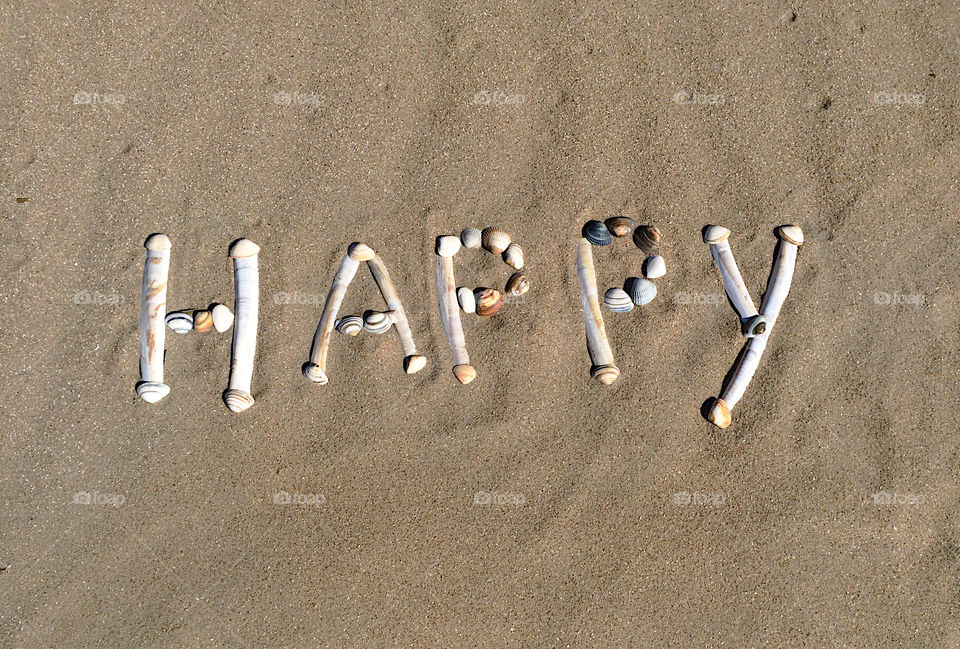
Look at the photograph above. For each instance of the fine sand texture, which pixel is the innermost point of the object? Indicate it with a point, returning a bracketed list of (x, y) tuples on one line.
[(534, 507)]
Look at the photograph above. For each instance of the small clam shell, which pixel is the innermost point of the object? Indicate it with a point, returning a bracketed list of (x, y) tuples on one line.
[(471, 237), (350, 325), (180, 321), (513, 255), (617, 300), (596, 233), (715, 234), (489, 301), (202, 320), (654, 267), (518, 284), (495, 240), (647, 238), (606, 374), (376, 322), (222, 317), (448, 246), (641, 291), (791, 233), (466, 299), (619, 226)]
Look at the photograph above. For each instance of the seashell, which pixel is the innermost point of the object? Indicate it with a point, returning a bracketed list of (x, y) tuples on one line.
[(513, 256), (316, 368), (471, 237), (597, 233), (494, 240), (619, 226), (641, 291), (518, 284), (222, 317), (603, 368), (202, 320), (153, 307), (350, 325), (647, 238), (360, 251), (617, 300), (448, 246), (715, 234), (654, 267), (246, 289), (412, 361), (466, 299), (452, 327), (376, 322), (606, 374), (792, 233), (180, 321), (489, 301)]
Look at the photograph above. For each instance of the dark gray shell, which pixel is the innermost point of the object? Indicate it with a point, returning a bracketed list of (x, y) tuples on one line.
[(597, 233)]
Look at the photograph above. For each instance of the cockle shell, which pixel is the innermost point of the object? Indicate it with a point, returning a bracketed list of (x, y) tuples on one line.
[(468, 303), (495, 240), (647, 238), (350, 325), (619, 226), (222, 317), (513, 256), (376, 322), (518, 284), (471, 237), (180, 321), (617, 300), (448, 246), (489, 301), (642, 291), (202, 320), (597, 233), (654, 267)]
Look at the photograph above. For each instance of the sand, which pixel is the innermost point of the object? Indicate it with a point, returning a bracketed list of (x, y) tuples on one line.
[(825, 516)]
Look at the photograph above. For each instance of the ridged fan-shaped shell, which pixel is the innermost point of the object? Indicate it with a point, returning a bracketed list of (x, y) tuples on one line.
[(642, 291), (470, 238), (596, 232), (495, 240), (617, 300)]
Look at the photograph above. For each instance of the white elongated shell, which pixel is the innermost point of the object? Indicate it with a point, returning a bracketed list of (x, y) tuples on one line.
[(468, 303), (495, 240), (470, 238), (180, 321), (222, 317), (513, 256), (642, 291), (376, 322), (448, 246), (350, 325), (654, 267), (617, 300)]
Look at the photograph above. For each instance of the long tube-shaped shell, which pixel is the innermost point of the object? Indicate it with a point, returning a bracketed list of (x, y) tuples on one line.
[(153, 308), (733, 283), (246, 278), (450, 316), (778, 286), (315, 369), (412, 361), (604, 369)]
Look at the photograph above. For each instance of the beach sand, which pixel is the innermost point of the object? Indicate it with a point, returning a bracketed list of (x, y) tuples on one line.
[(825, 516)]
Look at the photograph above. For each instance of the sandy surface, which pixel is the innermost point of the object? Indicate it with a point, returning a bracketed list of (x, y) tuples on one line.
[(307, 128)]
